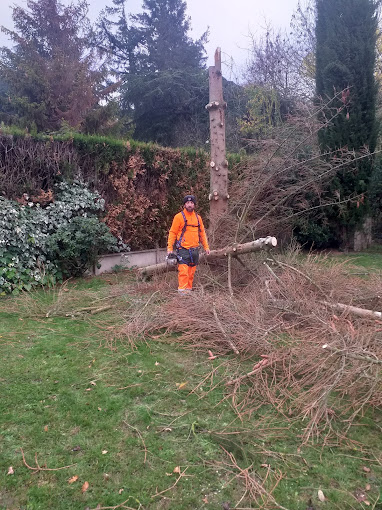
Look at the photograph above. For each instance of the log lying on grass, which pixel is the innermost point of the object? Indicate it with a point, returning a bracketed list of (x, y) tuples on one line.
[(234, 250)]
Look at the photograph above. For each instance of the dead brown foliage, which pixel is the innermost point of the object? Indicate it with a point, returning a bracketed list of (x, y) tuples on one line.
[(311, 363), (279, 319)]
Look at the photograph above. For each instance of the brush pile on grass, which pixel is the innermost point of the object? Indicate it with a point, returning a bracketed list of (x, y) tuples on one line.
[(310, 361), (281, 338)]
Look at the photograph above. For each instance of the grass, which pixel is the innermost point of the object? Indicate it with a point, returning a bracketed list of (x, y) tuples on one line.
[(127, 421), (371, 260)]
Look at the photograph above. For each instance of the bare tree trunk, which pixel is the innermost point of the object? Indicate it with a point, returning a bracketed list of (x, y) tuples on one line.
[(237, 249), (219, 165)]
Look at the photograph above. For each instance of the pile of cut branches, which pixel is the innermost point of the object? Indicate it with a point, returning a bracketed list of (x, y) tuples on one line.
[(294, 334), (316, 356)]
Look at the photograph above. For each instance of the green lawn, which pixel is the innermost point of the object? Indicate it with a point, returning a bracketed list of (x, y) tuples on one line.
[(370, 260), (128, 423)]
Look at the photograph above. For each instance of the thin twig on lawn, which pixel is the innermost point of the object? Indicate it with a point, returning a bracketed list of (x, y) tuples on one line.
[(121, 505), (181, 475), (130, 386), (231, 344), (90, 309), (39, 468), (141, 438), (254, 487)]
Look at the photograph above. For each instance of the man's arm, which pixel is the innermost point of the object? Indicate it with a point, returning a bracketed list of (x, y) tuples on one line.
[(203, 237), (173, 234)]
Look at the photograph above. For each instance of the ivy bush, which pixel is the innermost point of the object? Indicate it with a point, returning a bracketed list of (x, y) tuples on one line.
[(28, 256), (76, 247)]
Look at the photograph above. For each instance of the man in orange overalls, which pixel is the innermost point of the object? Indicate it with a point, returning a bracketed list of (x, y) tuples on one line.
[(186, 234)]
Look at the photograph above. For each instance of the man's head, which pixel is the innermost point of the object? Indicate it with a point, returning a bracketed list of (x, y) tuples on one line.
[(189, 202)]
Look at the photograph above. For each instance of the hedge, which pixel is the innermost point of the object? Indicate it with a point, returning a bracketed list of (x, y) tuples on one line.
[(142, 183)]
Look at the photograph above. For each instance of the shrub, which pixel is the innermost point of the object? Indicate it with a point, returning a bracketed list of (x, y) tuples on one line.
[(76, 247), (25, 229), (313, 235)]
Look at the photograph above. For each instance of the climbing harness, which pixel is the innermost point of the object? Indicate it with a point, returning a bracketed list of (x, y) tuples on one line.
[(193, 252), (178, 243)]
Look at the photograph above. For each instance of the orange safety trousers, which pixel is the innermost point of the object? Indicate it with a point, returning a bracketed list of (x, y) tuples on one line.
[(185, 276)]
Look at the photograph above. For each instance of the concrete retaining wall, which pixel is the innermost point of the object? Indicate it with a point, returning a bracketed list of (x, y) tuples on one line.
[(130, 259)]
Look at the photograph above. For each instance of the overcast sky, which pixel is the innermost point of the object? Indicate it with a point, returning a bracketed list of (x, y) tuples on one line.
[(230, 22)]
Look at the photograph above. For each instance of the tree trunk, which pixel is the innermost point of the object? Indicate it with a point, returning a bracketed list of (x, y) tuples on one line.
[(237, 249), (219, 165)]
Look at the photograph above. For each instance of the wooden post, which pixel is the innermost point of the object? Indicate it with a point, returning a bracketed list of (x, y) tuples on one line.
[(218, 165)]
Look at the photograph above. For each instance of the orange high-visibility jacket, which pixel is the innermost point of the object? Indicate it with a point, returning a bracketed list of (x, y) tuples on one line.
[(191, 235)]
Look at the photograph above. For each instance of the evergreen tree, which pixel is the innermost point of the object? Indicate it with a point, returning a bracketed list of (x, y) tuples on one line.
[(50, 71), (164, 28), (346, 32), (164, 81), (5, 104)]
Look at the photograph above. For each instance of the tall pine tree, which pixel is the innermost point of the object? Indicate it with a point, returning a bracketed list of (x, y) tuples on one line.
[(165, 85), (346, 32)]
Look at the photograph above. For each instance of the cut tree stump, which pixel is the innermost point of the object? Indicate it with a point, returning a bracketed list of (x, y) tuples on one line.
[(218, 165)]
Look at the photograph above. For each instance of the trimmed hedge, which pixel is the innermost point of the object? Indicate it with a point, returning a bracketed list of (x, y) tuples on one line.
[(142, 184)]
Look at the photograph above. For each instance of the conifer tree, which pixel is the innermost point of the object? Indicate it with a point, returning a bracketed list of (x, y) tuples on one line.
[(164, 81), (50, 71), (346, 32)]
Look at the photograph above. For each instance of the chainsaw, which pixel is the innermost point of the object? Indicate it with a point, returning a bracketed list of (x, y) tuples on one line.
[(172, 259)]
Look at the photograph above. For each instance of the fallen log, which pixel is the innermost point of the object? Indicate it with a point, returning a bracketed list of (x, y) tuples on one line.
[(365, 313), (360, 312), (234, 250)]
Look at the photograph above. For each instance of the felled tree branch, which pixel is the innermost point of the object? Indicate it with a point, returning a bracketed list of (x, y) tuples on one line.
[(345, 352), (360, 312), (220, 326), (236, 249)]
